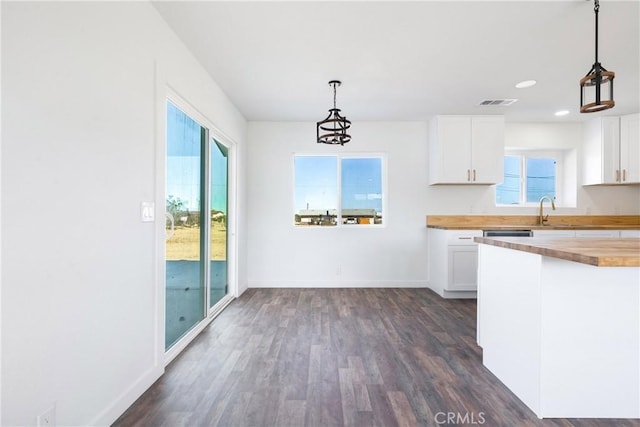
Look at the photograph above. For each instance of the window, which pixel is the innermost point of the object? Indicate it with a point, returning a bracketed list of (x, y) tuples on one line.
[(338, 190), (527, 177)]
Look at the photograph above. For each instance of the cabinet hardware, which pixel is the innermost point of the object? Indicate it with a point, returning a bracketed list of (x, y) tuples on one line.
[(624, 174), (617, 175), (474, 174), (468, 175)]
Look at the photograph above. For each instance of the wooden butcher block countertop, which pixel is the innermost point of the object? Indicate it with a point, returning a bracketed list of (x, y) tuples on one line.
[(600, 252), (530, 222)]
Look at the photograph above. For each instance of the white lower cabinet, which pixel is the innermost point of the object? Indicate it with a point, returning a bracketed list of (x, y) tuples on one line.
[(586, 233), (554, 233), (597, 233), (453, 262), (463, 268), (453, 257)]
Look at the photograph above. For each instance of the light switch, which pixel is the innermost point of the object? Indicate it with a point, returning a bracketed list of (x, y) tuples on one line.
[(147, 211)]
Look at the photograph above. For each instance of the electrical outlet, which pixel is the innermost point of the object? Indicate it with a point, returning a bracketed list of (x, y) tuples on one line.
[(48, 417)]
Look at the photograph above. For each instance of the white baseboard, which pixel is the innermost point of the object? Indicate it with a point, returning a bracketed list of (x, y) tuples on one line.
[(460, 295), (453, 294), (338, 284), (112, 412)]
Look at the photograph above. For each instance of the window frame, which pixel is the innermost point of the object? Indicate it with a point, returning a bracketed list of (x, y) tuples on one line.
[(525, 154), (339, 218)]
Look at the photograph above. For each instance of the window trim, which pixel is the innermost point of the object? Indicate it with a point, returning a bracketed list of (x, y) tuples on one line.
[(339, 156)]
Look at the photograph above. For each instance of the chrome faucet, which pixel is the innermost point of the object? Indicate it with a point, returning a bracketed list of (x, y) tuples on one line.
[(542, 220)]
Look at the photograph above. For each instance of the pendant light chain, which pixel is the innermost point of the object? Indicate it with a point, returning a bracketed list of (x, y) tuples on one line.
[(334, 95)]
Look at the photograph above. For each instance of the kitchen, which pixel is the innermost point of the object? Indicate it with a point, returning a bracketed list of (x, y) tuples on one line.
[(259, 71), (563, 336)]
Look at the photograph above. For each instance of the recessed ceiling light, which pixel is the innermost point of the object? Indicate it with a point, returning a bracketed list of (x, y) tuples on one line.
[(562, 113), (526, 83)]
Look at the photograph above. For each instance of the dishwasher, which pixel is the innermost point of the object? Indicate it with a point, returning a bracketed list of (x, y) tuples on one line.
[(507, 233)]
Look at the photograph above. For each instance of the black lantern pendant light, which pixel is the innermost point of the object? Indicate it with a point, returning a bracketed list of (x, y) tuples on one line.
[(597, 79), (333, 129)]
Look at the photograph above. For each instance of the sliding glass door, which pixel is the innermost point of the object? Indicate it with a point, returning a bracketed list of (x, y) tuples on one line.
[(196, 211)]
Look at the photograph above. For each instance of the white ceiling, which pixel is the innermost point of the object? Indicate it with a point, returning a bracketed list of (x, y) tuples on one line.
[(410, 60)]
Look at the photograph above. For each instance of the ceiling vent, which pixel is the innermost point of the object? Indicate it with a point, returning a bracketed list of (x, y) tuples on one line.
[(497, 102)]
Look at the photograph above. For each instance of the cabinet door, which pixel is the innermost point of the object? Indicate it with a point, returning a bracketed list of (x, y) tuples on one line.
[(463, 268), (454, 141), (630, 148), (610, 150), (601, 151), (487, 149)]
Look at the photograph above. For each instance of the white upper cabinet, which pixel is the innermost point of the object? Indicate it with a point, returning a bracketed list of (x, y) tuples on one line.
[(466, 150), (612, 151), (487, 149), (450, 149), (630, 148)]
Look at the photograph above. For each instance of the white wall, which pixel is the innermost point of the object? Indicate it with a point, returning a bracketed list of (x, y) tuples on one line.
[(280, 255), (79, 144)]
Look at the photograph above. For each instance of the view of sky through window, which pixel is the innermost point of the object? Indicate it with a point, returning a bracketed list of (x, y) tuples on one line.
[(541, 178), (362, 183), (508, 193), (316, 185), (184, 150)]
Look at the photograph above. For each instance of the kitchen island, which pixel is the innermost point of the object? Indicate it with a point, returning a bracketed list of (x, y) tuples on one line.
[(559, 323)]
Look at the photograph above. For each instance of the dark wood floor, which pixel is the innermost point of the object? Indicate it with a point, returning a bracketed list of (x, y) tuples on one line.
[(333, 357)]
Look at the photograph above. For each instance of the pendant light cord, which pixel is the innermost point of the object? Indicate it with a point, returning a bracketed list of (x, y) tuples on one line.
[(596, 8)]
